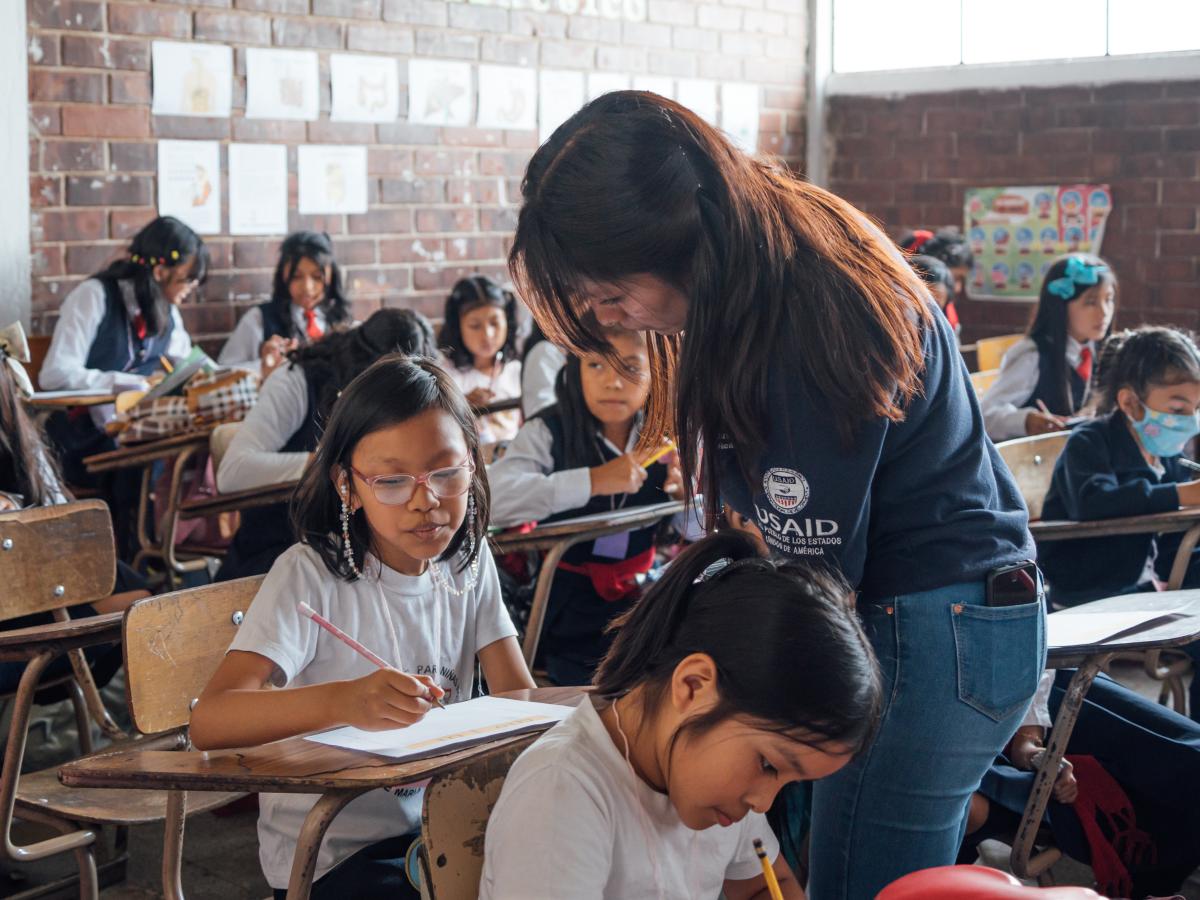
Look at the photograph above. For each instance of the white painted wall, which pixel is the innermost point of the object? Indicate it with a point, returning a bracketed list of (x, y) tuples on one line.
[(15, 283)]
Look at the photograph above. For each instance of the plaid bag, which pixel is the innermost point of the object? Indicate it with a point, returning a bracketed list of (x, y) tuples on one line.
[(221, 397), (160, 418)]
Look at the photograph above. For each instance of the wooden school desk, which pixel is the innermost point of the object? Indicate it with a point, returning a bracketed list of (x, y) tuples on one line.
[(1088, 660), (292, 766), (557, 538), (49, 401)]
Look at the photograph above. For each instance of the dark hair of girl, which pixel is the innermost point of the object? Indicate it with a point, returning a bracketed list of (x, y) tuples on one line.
[(1049, 328), (164, 242), (581, 429), (946, 244), (337, 359), (765, 624), (467, 295), (634, 183), (393, 390), (317, 247), (1143, 358), (27, 465), (932, 270)]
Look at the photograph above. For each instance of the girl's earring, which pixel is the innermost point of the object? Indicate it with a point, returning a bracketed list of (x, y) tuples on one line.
[(347, 549), (470, 525)]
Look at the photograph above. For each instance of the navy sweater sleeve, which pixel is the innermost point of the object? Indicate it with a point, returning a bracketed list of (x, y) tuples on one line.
[(1090, 488)]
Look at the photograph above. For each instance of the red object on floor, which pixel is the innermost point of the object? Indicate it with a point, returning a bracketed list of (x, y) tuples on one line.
[(974, 883)]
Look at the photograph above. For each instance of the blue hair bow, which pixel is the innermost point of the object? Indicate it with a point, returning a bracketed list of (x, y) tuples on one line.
[(1078, 272)]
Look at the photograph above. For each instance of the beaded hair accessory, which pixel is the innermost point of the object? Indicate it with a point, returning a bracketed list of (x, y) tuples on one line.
[(172, 257)]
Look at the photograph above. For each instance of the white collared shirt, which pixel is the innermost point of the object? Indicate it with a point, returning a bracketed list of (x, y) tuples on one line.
[(1002, 417), (243, 346), (255, 457)]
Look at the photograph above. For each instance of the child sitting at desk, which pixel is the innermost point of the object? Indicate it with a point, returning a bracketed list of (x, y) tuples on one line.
[(576, 458), (1128, 462), (730, 679), (392, 518)]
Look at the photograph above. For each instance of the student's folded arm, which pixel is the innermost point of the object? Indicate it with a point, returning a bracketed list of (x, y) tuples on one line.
[(1003, 416), (180, 344), (525, 487), (1092, 490), (255, 457)]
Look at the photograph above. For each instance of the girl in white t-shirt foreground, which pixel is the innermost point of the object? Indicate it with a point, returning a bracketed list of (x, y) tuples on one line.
[(732, 677), (392, 517)]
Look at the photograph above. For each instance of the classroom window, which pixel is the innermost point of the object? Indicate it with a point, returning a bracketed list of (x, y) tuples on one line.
[(877, 35)]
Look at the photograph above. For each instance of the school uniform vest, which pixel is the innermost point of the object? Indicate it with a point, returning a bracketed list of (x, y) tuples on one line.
[(266, 532), (1046, 390), (115, 347), (275, 323)]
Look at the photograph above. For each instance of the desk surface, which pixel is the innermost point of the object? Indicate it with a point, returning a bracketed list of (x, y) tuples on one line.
[(544, 536), (294, 765), (1176, 633), (134, 455), (1175, 520), (66, 400)]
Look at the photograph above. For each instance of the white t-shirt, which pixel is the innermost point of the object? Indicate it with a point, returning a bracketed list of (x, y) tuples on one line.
[(567, 825), (501, 426), (439, 635)]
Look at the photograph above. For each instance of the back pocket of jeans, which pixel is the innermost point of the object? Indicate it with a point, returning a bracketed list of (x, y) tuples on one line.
[(1001, 652)]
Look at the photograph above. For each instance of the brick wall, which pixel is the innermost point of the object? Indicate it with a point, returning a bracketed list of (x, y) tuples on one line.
[(93, 151), (908, 161)]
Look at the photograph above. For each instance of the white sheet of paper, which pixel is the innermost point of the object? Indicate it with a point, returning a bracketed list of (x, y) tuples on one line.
[(507, 98), (442, 730), (656, 84), (332, 178), (191, 79), (189, 183), (560, 95), (258, 189), (83, 392), (282, 84), (439, 93), (739, 114), (699, 96), (600, 83), (365, 88), (1077, 629)]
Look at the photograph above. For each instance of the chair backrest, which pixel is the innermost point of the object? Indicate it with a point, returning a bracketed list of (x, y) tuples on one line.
[(174, 643), (39, 346), (989, 351), (219, 441), (981, 381), (52, 557), (454, 820), (1031, 460)]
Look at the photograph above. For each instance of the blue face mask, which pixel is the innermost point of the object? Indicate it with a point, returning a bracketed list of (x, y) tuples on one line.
[(1166, 434)]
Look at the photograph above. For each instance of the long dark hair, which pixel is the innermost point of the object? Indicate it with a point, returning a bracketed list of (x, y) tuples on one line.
[(581, 429), (1143, 358), (393, 390), (318, 248), (27, 466), (635, 183), (469, 294), (1049, 328), (164, 242), (765, 624), (336, 360)]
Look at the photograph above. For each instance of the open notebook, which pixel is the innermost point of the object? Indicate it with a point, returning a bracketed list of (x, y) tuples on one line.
[(442, 730)]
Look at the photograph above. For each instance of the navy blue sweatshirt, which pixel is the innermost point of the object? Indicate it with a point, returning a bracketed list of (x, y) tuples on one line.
[(1101, 474), (906, 507)]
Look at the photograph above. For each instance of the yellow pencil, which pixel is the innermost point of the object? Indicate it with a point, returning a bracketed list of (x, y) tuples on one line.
[(667, 448), (166, 364), (768, 871)]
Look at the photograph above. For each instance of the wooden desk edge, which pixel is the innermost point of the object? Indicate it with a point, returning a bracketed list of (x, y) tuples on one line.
[(1067, 529)]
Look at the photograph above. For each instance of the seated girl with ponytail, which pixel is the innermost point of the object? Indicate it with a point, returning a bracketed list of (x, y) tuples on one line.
[(732, 677)]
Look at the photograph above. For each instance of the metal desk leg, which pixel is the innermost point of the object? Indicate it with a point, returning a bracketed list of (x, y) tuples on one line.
[(541, 595), (1047, 774), (316, 823)]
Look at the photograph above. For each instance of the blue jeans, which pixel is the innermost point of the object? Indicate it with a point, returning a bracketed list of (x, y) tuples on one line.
[(957, 678)]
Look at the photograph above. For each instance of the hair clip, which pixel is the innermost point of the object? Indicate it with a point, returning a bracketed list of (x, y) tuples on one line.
[(174, 254), (712, 570), (1077, 272)]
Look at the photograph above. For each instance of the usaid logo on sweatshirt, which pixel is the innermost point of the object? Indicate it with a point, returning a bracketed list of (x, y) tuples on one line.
[(787, 490)]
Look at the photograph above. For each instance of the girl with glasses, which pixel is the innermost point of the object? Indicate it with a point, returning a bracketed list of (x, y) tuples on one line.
[(392, 519)]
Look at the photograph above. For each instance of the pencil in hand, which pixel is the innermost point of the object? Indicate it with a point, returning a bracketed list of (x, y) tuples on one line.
[(768, 871)]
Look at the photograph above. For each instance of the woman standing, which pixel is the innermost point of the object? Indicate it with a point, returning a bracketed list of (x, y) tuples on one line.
[(796, 347)]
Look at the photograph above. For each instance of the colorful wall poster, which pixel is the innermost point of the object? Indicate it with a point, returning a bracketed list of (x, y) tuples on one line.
[(1015, 234)]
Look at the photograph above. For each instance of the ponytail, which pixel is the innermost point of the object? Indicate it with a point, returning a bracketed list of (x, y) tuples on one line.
[(788, 649), (1144, 357)]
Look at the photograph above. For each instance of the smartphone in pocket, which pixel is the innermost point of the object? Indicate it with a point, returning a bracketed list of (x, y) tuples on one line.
[(1013, 585)]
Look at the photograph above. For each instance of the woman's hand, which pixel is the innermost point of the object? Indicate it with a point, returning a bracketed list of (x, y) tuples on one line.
[(673, 486), (480, 397), (273, 351), (1037, 422), (622, 475)]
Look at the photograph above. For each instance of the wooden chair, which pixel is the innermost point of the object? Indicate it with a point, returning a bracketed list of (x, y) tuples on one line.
[(173, 645), (1031, 460), (52, 558), (990, 351), (981, 381), (454, 819), (39, 346)]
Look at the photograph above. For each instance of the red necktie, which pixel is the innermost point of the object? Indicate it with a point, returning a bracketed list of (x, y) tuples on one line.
[(1085, 364), (312, 328), (139, 326)]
